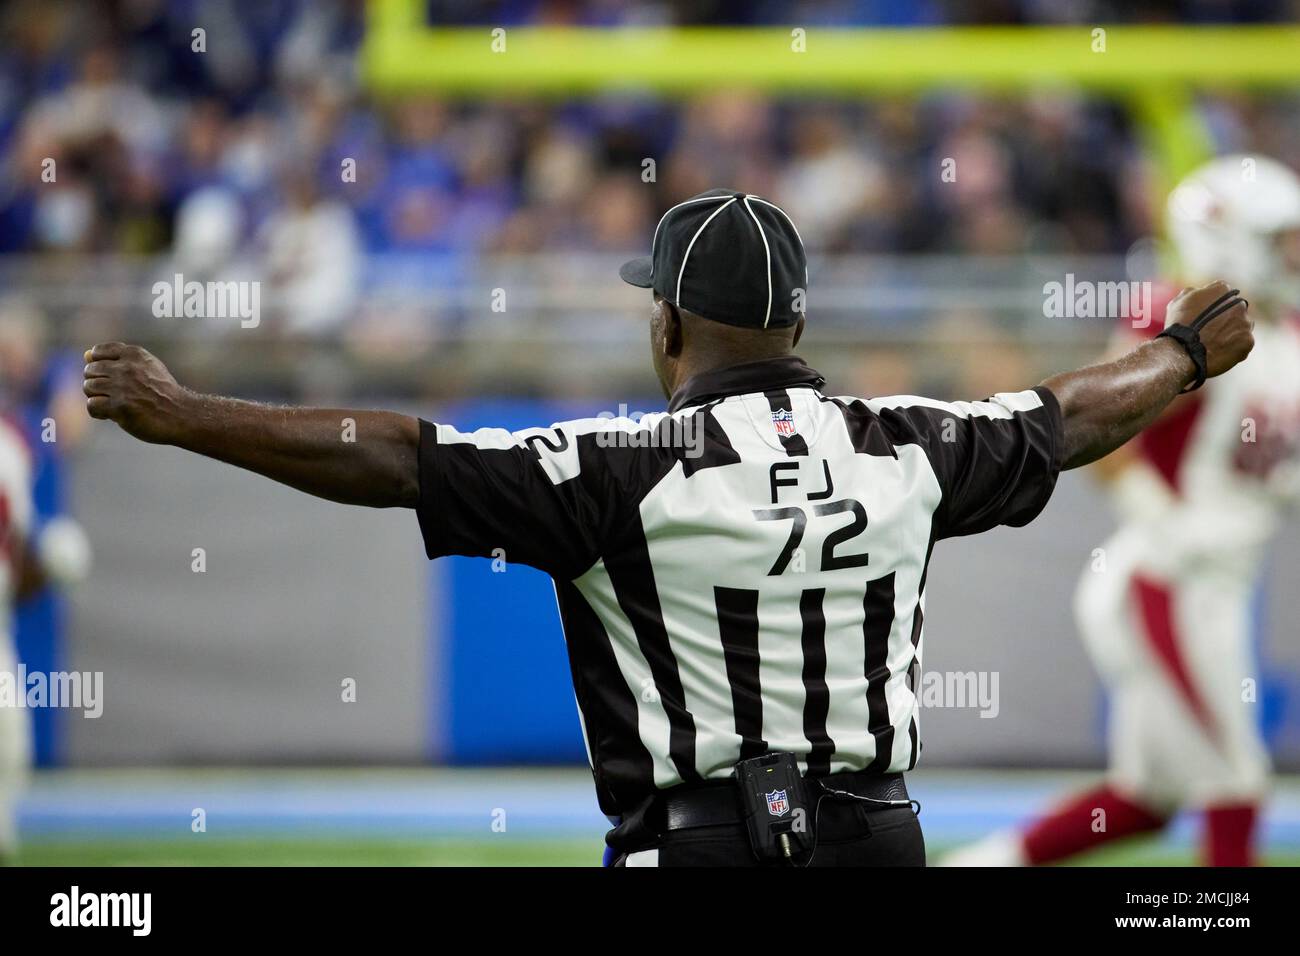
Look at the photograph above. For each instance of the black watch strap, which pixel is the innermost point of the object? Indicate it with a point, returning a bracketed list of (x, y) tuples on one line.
[(1189, 336), (1190, 340)]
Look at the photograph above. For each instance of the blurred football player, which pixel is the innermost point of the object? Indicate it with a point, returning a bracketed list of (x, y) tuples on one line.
[(15, 521), (40, 387), (1165, 609), (29, 560)]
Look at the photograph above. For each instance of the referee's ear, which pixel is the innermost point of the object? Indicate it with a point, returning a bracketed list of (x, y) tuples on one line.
[(667, 328), (673, 331), (798, 332)]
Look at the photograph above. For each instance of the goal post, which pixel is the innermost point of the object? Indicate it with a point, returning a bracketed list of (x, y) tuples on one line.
[(1155, 71)]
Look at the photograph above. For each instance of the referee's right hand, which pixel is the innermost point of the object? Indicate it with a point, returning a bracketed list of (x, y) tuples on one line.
[(1227, 337), (130, 386)]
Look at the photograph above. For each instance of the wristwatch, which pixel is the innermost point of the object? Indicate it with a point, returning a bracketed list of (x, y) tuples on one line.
[(1189, 336)]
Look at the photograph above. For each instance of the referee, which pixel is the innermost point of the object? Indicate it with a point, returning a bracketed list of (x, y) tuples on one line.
[(741, 578)]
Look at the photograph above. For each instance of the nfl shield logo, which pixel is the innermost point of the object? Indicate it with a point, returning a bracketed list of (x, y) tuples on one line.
[(784, 422), (776, 803)]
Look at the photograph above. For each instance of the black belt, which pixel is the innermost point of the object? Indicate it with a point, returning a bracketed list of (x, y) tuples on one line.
[(718, 804)]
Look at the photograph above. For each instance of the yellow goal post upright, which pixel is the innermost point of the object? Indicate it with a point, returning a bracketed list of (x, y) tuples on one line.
[(1155, 71)]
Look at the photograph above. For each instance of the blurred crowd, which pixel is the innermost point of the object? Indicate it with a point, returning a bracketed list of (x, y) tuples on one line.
[(263, 153)]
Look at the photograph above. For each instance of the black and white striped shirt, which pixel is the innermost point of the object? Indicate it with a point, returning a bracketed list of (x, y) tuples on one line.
[(746, 571)]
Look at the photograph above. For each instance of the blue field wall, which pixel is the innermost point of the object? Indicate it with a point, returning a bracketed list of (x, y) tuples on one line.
[(501, 690)]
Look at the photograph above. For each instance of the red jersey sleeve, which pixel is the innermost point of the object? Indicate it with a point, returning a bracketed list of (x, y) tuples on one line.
[(1149, 321)]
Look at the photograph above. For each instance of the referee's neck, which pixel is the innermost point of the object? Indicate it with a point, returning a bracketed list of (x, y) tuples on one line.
[(685, 370), (693, 346)]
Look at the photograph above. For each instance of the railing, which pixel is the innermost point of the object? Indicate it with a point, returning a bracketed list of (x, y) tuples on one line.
[(440, 326)]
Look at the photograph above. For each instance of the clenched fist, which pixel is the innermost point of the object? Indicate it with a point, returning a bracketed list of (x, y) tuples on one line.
[(128, 385), (1228, 336)]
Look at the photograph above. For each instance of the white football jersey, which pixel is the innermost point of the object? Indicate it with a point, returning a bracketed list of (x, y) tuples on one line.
[(1228, 457)]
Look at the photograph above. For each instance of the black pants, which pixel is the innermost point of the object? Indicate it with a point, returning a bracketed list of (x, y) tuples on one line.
[(849, 833)]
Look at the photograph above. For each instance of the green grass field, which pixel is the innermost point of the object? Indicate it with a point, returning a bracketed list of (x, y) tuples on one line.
[(311, 852), (486, 852)]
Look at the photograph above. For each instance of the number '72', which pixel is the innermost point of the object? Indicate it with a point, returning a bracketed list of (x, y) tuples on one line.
[(798, 519)]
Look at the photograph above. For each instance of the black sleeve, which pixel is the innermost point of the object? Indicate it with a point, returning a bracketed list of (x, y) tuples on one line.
[(512, 495), (996, 461)]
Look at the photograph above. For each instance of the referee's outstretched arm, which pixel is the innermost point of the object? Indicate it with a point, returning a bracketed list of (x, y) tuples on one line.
[(1102, 407)]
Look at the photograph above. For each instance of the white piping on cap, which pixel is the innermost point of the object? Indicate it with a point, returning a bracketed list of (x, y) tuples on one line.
[(687, 202), (792, 226), (767, 251), (681, 272)]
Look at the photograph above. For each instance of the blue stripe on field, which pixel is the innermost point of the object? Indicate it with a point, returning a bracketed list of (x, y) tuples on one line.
[(955, 808), (450, 807)]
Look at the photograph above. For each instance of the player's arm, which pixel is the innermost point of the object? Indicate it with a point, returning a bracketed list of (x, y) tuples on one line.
[(1103, 406), (305, 448), (29, 576), (58, 555)]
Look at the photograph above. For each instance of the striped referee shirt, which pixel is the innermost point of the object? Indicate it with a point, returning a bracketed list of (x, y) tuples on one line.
[(745, 572)]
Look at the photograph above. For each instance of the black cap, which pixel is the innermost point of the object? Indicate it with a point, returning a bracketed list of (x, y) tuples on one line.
[(727, 256)]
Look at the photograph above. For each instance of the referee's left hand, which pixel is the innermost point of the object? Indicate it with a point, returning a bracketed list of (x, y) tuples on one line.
[(1228, 337)]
